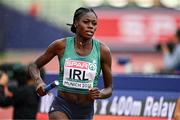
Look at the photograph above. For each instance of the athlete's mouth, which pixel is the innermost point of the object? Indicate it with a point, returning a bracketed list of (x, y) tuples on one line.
[(90, 33)]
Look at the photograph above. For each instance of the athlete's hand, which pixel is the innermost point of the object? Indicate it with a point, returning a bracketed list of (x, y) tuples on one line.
[(40, 89), (4, 81), (94, 93)]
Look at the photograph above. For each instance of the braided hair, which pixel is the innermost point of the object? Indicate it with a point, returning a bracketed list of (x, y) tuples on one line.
[(1, 73), (78, 14)]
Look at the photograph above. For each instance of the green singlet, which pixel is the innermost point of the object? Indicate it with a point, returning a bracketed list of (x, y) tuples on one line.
[(79, 73)]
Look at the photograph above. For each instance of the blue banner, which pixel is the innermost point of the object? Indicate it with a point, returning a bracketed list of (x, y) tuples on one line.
[(133, 95)]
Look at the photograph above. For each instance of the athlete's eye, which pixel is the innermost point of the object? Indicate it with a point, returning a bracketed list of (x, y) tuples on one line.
[(85, 22), (94, 23)]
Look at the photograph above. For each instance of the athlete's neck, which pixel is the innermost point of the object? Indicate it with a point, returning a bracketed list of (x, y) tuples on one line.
[(83, 42)]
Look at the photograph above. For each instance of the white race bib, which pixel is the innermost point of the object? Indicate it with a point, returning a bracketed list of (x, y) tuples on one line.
[(79, 74)]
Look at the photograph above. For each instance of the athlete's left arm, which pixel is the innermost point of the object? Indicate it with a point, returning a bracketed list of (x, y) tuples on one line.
[(106, 62)]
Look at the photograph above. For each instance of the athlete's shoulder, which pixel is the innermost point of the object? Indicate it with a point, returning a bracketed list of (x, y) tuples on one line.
[(104, 48), (57, 45), (59, 41), (105, 52)]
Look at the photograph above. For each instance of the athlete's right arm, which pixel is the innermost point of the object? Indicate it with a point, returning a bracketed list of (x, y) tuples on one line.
[(56, 48)]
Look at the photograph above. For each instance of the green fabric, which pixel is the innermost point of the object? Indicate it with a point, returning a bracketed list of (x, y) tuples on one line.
[(70, 54)]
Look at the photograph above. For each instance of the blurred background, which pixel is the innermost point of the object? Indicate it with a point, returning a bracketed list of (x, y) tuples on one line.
[(133, 29)]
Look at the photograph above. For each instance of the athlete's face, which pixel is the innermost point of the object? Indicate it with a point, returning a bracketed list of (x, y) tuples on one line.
[(86, 25)]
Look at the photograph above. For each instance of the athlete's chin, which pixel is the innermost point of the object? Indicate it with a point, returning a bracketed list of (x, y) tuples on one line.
[(88, 36)]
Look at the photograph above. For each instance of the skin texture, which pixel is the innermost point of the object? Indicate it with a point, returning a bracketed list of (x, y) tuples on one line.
[(4, 79), (85, 29)]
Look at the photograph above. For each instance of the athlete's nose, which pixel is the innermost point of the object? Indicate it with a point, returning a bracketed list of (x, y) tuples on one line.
[(90, 25)]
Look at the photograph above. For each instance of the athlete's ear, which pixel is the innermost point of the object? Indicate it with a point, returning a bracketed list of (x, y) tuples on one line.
[(75, 24)]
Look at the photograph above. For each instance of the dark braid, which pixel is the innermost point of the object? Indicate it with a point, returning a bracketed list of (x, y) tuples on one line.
[(78, 14), (1, 73)]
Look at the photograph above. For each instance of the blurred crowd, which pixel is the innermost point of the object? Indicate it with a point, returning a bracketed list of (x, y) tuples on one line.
[(170, 52), (17, 89), (171, 55)]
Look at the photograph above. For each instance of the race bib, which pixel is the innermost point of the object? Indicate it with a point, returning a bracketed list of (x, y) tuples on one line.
[(79, 74)]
